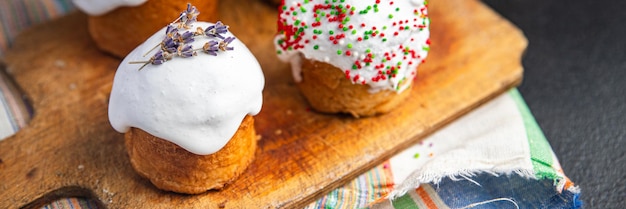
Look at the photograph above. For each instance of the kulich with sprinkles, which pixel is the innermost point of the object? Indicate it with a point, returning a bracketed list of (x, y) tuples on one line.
[(353, 56)]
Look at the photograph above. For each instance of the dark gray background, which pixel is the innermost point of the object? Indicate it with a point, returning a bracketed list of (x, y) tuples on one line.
[(574, 83)]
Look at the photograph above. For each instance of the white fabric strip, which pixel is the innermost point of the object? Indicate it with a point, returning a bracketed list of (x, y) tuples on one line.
[(490, 139)]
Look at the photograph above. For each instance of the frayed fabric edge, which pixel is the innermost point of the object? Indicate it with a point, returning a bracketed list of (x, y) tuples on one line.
[(418, 177)]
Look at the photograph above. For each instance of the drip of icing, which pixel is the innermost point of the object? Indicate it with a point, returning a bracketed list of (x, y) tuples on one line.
[(100, 7), (374, 42), (197, 103)]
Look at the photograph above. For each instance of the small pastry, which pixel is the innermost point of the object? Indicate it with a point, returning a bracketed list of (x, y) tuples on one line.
[(355, 56), (187, 108), (118, 26)]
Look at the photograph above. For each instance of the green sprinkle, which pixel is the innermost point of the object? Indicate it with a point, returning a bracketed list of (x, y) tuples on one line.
[(331, 32), (349, 46), (385, 27), (354, 67), (390, 16), (339, 52), (397, 9), (384, 39), (353, 32), (345, 29), (302, 9), (368, 50), (279, 52), (316, 47)]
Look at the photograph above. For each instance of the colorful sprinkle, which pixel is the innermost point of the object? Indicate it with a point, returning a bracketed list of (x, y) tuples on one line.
[(350, 28)]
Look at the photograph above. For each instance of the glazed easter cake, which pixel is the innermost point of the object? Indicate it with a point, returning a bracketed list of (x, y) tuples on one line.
[(353, 56), (185, 100), (118, 26)]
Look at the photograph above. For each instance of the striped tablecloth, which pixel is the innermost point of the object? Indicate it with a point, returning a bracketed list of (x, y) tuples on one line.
[(494, 157)]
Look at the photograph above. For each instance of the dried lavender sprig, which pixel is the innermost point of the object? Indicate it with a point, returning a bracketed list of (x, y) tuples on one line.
[(176, 44), (212, 47), (159, 58), (224, 44), (216, 30), (187, 17), (186, 51)]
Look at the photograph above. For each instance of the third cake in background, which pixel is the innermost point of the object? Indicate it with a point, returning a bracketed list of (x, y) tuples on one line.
[(118, 26), (353, 56)]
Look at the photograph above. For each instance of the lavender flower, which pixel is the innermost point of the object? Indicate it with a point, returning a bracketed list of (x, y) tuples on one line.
[(224, 44), (158, 58), (211, 47), (186, 38), (169, 45), (186, 51), (171, 31), (189, 16), (216, 30)]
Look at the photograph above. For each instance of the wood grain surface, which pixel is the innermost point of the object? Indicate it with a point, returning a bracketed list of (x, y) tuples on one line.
[(69, 148)]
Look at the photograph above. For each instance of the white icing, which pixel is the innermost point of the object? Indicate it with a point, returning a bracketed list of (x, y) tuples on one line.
[(100, 7), (299, 14), (197, 103)]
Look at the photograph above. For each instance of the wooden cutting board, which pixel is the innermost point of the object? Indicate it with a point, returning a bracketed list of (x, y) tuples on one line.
[(69, 148)]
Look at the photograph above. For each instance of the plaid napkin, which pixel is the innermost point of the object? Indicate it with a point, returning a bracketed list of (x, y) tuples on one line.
[(494, 157)]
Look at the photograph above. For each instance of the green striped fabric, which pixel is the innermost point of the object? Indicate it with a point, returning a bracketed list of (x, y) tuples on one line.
[(540, 150)]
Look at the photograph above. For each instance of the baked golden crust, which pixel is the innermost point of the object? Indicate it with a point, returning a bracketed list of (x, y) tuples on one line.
[(327, 90), (118, 32), (172, 168)]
